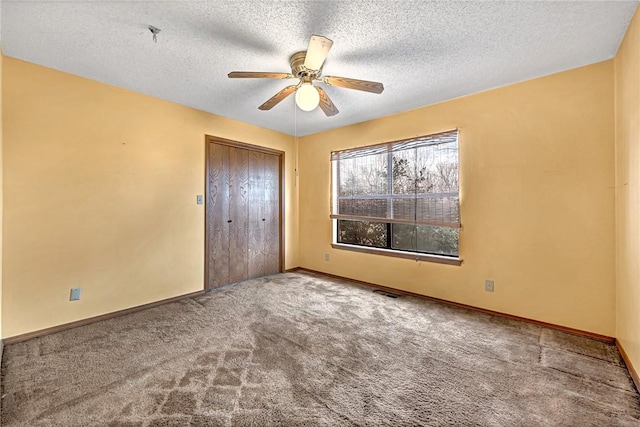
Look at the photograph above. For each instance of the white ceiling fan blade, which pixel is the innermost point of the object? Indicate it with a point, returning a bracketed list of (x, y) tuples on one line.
[(317, 52)]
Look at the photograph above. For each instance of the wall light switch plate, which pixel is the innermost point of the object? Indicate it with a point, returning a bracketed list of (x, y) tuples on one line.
[(488, 285), (75, 294), (200, 199)]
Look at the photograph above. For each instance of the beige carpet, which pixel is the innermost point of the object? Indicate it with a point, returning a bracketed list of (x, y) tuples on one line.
[(301, 350)]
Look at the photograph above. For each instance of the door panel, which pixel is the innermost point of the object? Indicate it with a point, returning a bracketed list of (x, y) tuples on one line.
[(271, 214), (256, 227), (217, 212), (238, 214)]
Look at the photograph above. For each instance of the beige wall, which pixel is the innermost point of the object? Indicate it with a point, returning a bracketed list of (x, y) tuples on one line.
[(101, 194), (627, 69), (537, 200), (1, 193)]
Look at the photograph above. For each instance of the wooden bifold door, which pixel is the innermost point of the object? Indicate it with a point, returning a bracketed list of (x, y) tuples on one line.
[(243, 219)]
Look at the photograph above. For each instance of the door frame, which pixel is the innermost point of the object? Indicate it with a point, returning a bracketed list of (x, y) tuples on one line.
[(209, 139)]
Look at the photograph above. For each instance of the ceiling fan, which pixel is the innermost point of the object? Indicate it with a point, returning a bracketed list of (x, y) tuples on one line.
[(307, 66)]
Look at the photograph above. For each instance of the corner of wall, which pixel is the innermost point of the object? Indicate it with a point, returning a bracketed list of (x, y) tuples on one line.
[(296, 214), (1, 217), (627, 205), (1, 199)]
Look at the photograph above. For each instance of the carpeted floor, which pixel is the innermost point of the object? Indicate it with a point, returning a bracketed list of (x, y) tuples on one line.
[(301, 350)]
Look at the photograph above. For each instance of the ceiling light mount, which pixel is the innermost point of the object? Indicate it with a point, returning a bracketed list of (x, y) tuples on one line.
[(154, 31)]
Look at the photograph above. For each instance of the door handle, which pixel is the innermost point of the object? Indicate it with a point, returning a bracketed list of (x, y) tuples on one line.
[(229, 221)]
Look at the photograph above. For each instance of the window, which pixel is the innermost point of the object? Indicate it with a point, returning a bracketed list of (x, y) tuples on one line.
[(400, 196)]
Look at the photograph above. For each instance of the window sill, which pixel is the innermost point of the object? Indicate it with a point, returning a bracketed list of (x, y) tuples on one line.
[(399, 254)]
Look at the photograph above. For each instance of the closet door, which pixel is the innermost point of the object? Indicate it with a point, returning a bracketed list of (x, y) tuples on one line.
[(271, 214), (217, 216), (264, 214), (243, 219), (238, 214), (257, 253)]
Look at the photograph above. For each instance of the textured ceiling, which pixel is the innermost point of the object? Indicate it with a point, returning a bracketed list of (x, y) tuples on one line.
[(423, 52)]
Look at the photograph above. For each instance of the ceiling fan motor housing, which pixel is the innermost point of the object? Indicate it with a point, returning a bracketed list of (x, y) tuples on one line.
[(298, 69)]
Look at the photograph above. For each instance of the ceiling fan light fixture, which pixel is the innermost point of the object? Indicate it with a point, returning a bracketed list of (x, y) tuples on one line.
[(307, 97), (306, 66)]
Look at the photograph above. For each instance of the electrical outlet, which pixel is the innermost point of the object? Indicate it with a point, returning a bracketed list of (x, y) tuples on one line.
[(327, 257), (488, 285), (199, 199), (75, 294)]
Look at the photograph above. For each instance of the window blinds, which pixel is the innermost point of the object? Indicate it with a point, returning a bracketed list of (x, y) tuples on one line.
[(413, 181)]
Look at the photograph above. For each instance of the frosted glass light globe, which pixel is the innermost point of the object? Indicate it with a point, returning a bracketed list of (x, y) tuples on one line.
[(307, 97)]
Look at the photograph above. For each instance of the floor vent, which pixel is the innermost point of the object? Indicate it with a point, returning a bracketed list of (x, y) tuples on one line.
[(386, 293)]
